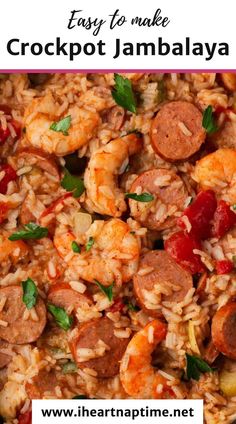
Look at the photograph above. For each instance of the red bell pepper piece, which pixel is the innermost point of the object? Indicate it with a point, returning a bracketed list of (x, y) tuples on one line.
[(224, 219), (224, 266), (199, 214), (10, 175), (180, 246)]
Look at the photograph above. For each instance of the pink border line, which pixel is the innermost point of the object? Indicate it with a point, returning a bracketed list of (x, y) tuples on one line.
[(96, 71)]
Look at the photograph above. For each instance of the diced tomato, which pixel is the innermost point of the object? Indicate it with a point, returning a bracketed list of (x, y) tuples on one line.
[(117, 306), (10, 175), (3, 211), (180, 246), (199, 214), (4, 134), (25, 418), (224, 219), (6, 109), (224, 267)]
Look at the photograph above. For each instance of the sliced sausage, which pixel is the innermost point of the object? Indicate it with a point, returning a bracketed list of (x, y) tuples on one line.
[(13, 327), (223, 330), (43, 382), (158, 273), (89, 336), (62, 295), (46, 162), (229, 80), (225, 137), (5, 359), (170, 196), (177, 132)]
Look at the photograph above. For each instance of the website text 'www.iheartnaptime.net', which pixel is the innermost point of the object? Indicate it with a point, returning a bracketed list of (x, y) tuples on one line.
[(129, 411)]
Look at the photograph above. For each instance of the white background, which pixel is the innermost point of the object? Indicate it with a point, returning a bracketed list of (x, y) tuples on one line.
[(202, 20), (119, 404)]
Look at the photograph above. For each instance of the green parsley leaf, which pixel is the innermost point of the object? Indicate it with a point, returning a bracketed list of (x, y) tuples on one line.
[(75, 247), (30, 293), (196, 366), (30, 231), (89, 244), (73, 184), (131, 307), (234, 207), (208, 121), (107, 290), (62, 126), (69, 367), (123, 93), (144, 197), (62, 319)]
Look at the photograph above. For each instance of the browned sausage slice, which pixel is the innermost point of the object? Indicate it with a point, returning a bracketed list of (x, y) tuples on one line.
[(177, 131), (170, 196), (94, 335), (5, 359), (62, 295), (223, 330), (159, 273), (226, 136), (13, 327), (40, 384), (32, 156)]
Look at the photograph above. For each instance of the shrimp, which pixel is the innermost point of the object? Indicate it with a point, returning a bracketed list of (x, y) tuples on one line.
[(138, 377), (217, 171), (40, 115), (12, 251), (100, 179), (112, 258)]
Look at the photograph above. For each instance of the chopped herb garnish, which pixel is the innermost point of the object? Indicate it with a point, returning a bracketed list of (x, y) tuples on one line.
[(144, 197), (107, 290), (30, 231), (234, 207), (123, 93), (234, 259), (69, 367), (196, 366), (89, 244), (80, 397), (30, 293), (131, 307), (61, 317), (73, 184), (75, 247), (208, 121), (62, 126)]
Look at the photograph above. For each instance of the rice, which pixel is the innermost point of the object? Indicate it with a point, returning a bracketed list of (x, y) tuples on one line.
[(113, 259)]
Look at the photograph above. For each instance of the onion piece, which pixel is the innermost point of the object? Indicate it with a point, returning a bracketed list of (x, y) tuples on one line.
[(82, 222), (192, 338)]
